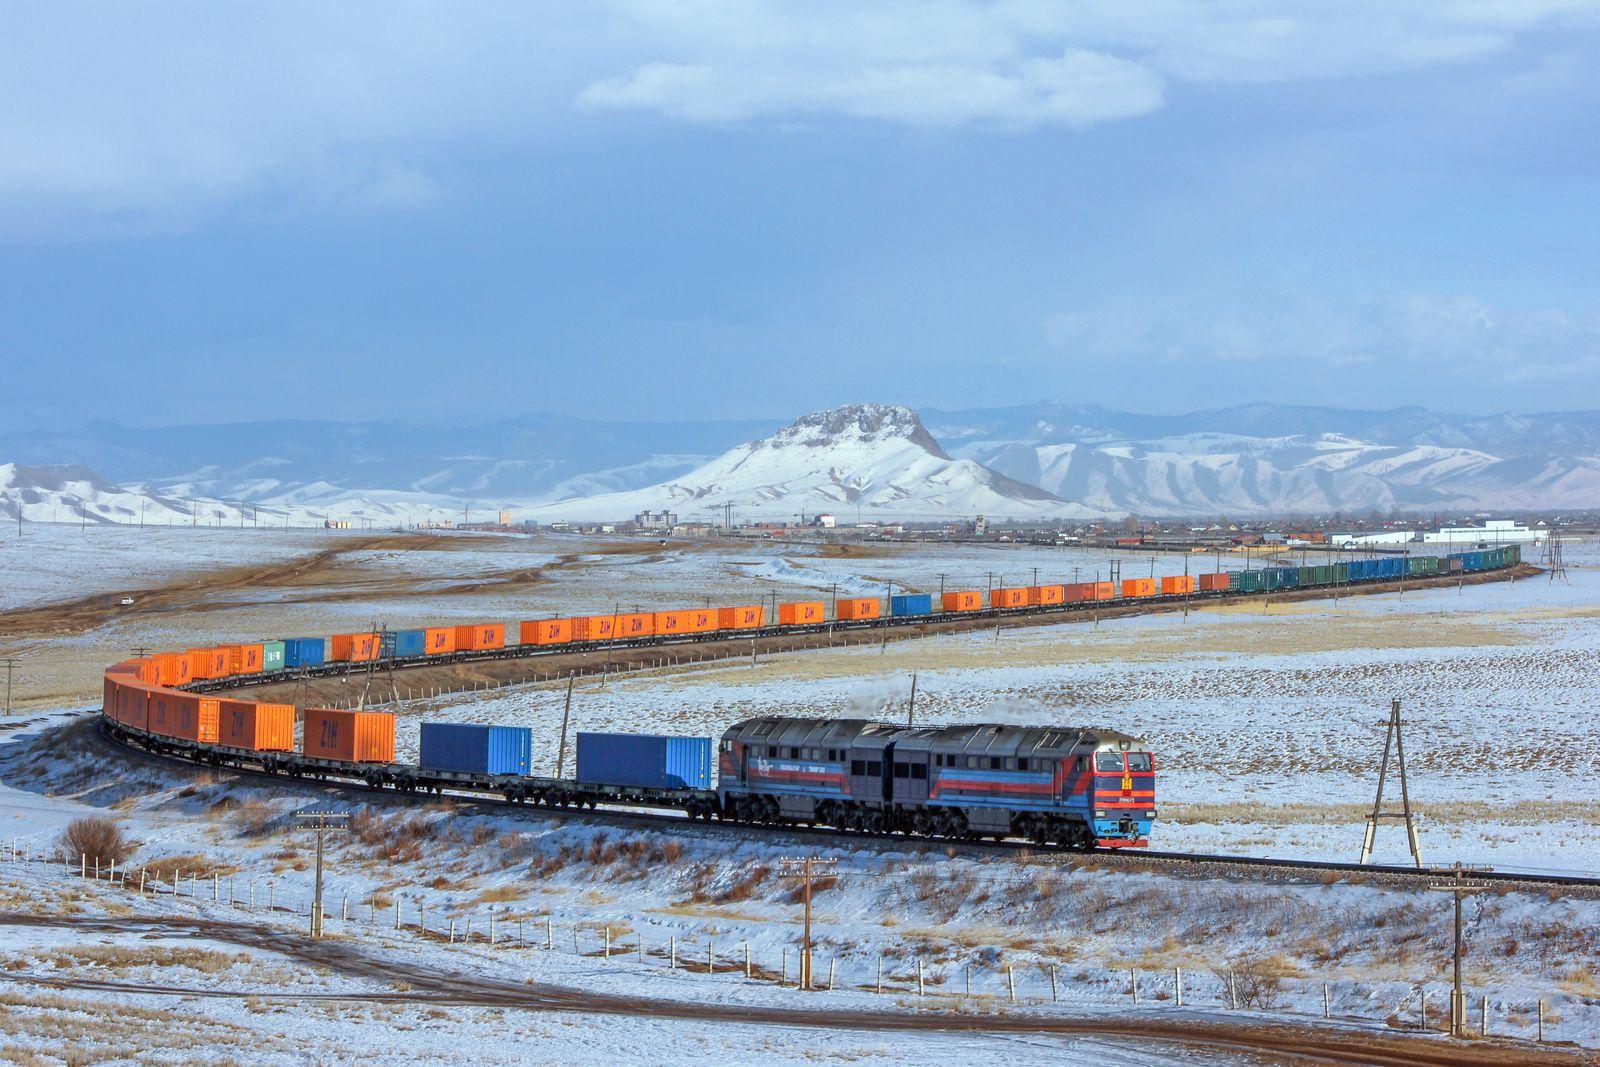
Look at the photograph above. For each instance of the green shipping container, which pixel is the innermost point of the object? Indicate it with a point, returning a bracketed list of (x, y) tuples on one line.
[(1414, 565), (1246, 581), (1341, 572), (272, 655)]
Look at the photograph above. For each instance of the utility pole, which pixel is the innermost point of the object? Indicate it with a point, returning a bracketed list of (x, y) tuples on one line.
[(566, 714), (320, 823), (11, 664), (1392, 739), (1455, 880), (911, 709), (804, 867)]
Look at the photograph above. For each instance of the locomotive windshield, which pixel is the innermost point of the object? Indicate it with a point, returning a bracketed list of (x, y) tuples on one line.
[(1138, 761), (1108, 761)]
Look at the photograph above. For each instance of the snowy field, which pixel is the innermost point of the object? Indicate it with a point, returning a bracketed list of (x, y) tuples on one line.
[(1268, 720), (977, 924), (49, 562)]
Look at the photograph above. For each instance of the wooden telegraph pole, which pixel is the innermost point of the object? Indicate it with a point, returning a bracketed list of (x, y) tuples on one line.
[(1392, 740), (321, 822), (804, 867), (1455, 880), (566, 714)]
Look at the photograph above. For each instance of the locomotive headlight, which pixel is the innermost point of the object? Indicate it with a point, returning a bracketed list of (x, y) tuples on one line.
[(1099, 814), (1149, 814)]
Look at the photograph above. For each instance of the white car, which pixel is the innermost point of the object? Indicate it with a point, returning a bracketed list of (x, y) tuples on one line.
[(126, 602)]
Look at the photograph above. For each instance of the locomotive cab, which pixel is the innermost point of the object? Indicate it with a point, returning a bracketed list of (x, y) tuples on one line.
[(1124, 791)]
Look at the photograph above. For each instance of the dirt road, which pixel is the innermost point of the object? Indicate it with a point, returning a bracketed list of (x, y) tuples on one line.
[(411, 985)]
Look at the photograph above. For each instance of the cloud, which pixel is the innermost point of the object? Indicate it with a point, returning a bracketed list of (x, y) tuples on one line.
[(1075, 88), (116, 111), (1410, 334), (1025, 63)]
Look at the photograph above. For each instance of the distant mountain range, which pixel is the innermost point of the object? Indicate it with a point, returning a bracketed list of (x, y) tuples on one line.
[(1046, 460)]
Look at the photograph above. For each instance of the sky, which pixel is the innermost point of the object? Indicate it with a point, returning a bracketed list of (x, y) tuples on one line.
[(736, 209)]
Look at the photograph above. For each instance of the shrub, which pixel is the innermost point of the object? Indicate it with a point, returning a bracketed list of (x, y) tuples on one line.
[(97, 840)]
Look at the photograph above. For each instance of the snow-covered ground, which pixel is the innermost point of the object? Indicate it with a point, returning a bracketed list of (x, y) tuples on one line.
[(963, 917), (1268, 719)]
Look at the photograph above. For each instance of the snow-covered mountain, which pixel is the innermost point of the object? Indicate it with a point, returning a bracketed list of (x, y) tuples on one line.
[(1256, 461), (872, 461), (77, 494), (1041, 459)]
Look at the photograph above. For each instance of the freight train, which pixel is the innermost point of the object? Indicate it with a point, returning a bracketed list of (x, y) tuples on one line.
[(1047, 784)]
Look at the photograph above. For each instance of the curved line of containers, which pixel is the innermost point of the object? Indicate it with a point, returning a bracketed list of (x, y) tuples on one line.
[(161, 700)]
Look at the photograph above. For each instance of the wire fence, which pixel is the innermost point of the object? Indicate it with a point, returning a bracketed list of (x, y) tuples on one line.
[(932, 977)]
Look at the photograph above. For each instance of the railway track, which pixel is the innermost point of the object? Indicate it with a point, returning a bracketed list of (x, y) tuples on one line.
[(675, 821)]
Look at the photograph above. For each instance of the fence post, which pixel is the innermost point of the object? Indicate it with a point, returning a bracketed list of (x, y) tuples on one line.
[(711, 954), (250, 906), (1541, 1021), (922, 990), (112, 876), (673, 949), (397, 913), (83, 865), (1233, 992), (1177, 986), (747, 948), (880, 974), (452, 931), (608, 941), (1133, 982), (1011, 982), (783, 971), (422, 918), (216, 886), (966, 972), (491, 927), (1422, 1006), (575, 939), (641, 946), (549, 933), (344, 908), (1052, 983), (834, 962), (1483, 1025), (1326, 1001)]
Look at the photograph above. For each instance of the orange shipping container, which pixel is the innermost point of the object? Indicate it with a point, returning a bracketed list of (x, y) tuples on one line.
[(245, 659), (256, 727), (697, 621), (176, 668), (208, 662), (741, 618), (1177, 583), (353, 648), (1045, 595), (1139, 587), (638, 624), (545, 631), (480, 636), (801, 613), (1217, 581), (964, 600), (593, 627), (351, 736), (437, 640), (130, 703), (1008, 598), (1103, 590), (183, 715), (860, 607)]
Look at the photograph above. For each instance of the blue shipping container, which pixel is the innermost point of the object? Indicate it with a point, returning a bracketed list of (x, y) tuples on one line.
[(647, 761), (403, 644), (475, 749), (911, 604), (304, 651)]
